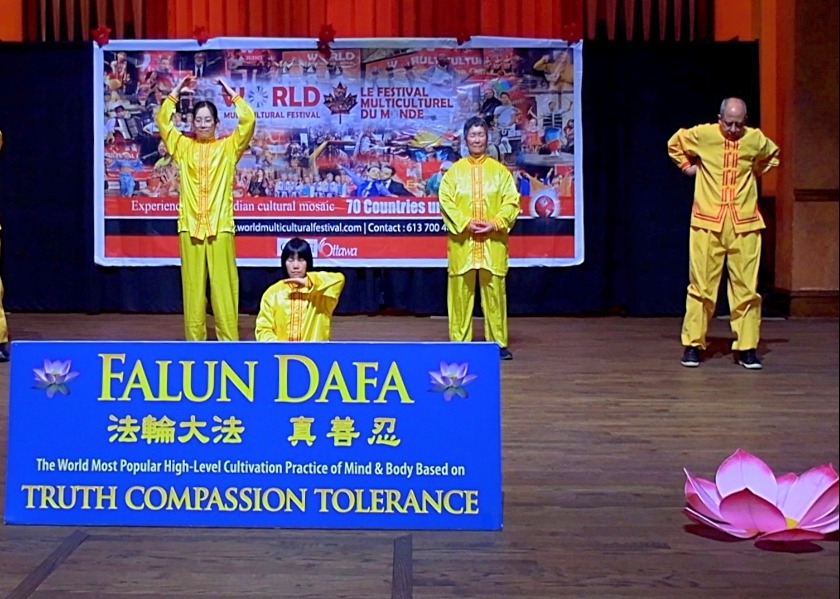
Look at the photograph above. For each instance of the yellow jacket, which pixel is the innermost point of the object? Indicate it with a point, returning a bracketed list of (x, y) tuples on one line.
[(478, 189), (206, 170), (290, 312), (727, 171)]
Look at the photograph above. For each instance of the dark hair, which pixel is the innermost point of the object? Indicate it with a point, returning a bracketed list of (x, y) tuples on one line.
[(475, 121), (214, 112), (296, 247)]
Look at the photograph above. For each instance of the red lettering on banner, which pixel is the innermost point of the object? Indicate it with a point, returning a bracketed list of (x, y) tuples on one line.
[(295, 96)]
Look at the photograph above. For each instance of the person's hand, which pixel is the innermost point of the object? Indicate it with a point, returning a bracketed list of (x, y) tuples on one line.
[(183, 82), (480, 227), (227, 89), (690, 170), (298, 281)]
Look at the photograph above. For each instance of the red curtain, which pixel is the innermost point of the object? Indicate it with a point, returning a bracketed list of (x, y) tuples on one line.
[(365, 18), (682, 20)]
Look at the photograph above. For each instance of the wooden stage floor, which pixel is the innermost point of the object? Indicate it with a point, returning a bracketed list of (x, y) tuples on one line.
[(599, 419)]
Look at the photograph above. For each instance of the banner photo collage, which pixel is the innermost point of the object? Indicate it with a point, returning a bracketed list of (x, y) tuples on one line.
[(349, 150)]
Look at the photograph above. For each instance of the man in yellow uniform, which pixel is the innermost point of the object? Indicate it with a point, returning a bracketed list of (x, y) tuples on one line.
[(205, 212), (726, 158), (480, 203), (4, 328)]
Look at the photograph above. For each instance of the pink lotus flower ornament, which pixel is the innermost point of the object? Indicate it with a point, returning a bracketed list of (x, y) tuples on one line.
[(747, 500)]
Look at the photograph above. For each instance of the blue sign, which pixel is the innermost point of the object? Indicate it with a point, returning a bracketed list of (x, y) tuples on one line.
[(315, 435)]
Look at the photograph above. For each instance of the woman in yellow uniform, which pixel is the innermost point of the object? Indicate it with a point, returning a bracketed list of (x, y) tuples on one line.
[(300, 306), (479, 203), (207, 167)]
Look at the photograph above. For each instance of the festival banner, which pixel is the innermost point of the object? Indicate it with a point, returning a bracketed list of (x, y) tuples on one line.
[(315, 435), (349, 150)]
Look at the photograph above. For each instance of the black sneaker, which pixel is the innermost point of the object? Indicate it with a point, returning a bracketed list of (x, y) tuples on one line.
[(4, 355), (749, 360), (504, 354), (691, 357)]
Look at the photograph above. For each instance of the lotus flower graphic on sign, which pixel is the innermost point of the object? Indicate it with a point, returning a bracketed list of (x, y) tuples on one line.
[(451, 380), (54, 376)]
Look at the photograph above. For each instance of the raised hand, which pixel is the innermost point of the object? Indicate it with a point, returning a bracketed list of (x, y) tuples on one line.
[(227, 89), (186, 81)]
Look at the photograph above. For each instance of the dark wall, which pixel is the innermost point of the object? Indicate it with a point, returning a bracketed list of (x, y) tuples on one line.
[(636, 207)]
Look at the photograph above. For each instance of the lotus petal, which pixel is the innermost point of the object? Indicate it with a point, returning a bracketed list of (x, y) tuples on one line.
[(469, 378), (447, 395), (436, 377), (784, 483), (722, 526), (823, 507), (70, 376), (813, 495), (40, 375), (461, 371), (825, 525), (748, 511), (791, 534), (702, 495), (742, 470), (63, 367)]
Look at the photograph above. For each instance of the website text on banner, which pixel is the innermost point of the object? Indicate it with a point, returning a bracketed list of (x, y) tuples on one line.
[(349, 151), (317, 435)]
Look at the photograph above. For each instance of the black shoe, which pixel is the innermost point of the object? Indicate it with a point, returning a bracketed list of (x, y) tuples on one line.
[(749, 360), (504, 354), (4, 355), (691, 357)]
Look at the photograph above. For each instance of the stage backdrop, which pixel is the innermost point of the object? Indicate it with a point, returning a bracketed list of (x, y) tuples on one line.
[(638, 204), (349, 149)]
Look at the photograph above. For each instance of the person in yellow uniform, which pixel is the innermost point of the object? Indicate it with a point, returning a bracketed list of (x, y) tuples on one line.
[(4, 328), (299, 307), (726, 158), (480, 203), (207, 167)]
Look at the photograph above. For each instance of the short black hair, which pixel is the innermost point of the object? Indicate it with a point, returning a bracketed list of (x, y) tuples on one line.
[(296, 247), (475, 121)]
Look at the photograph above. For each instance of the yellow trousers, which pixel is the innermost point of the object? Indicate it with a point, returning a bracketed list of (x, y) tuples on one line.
[(460, 298), (4, 327), (707, 251), (216, 257)]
